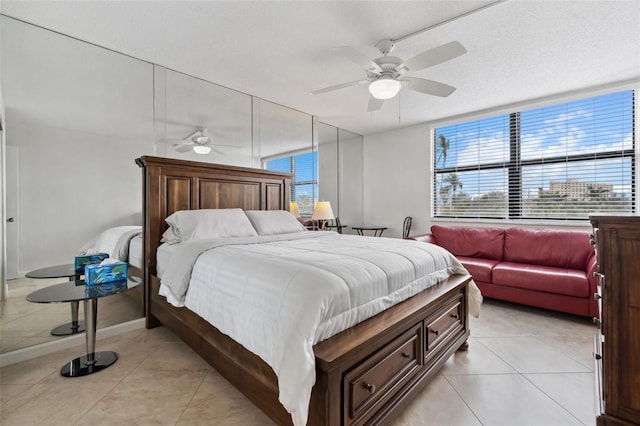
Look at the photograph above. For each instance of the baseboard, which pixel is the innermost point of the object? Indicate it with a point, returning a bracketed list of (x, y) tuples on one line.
[(68, 342)]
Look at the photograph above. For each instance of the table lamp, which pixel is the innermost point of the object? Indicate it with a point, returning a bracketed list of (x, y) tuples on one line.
[(322, 213), (293, 209)]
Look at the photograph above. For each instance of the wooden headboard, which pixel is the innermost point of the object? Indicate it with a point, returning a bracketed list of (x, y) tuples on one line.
[(169, 185)]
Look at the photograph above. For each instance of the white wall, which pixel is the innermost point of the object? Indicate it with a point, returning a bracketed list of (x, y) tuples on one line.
[(396, 179)]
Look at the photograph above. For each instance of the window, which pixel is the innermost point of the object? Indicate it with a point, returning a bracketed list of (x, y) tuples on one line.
[(304, 186), (558, 162)]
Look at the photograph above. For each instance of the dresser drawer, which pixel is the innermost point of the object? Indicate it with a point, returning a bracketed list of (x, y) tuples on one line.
[(382, 374), (443, 325)]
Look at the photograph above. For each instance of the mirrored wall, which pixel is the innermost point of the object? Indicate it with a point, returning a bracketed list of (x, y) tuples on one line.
[(77, 121)]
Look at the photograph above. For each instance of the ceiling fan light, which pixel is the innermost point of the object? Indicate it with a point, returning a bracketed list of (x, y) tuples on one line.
[(200, 139), (384, 88), (201, 149)]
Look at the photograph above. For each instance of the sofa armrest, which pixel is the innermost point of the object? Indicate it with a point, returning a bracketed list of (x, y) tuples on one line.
[(425, 238)]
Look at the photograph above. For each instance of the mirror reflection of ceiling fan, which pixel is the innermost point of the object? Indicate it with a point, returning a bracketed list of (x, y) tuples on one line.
[(200, 142), (386, 74)]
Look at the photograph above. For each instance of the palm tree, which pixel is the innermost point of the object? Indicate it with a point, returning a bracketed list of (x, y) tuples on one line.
[(443, 147), (454, 183)]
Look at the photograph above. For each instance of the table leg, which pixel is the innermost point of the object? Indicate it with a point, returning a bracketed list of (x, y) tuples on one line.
[(93, 361), (75, 326)]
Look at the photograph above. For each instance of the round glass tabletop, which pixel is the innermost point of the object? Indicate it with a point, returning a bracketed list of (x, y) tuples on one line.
[(77, 290), (57, 271)]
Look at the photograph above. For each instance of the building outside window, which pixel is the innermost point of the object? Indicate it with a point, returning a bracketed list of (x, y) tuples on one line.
[(559, 162), (304, 186)]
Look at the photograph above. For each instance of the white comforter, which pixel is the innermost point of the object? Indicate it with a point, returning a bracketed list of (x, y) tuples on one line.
[(279, 295)]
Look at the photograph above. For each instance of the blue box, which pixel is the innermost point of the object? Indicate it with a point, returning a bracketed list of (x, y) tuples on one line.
[(100, 274), (81, 261), (99, 290)]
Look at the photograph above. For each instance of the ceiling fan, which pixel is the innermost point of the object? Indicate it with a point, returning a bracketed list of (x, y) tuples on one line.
[(386, 74), (198, 142)]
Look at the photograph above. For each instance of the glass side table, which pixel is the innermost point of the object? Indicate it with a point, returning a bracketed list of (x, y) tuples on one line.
[(76, 291), (62, 271), (377, 230)]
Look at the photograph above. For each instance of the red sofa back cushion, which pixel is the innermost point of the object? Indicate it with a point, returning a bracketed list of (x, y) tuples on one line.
[(485, 243), (562, 249)]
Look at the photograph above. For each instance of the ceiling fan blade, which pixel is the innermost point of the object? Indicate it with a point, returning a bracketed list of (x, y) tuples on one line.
[(374, 104), (435, 56), (225, 145), (338, 86), (183, 147), (429, 87), (358, 58)]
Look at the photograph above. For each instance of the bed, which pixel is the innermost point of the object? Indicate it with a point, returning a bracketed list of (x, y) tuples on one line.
[(365, 374)]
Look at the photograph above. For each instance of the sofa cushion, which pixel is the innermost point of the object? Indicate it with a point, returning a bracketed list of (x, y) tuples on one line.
[(562, 249), (480, 269), (548, 279), (484, 243)]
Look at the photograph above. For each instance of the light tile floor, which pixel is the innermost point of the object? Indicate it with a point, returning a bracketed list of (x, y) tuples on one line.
[(524, 367)]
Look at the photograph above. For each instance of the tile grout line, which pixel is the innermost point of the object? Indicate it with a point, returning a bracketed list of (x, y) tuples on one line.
[(191, 399), (551, 398)]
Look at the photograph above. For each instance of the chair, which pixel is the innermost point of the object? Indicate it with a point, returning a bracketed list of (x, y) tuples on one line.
[(338, 225), (406, 227)]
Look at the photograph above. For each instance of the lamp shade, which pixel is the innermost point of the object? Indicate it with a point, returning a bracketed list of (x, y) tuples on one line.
[(293, 209), (384, 88), (322, 211), (199, 149)]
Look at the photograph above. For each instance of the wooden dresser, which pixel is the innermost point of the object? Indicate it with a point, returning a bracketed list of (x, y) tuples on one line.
[(617, 343)]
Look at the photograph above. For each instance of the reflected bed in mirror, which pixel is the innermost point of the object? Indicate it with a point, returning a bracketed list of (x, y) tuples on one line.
[(25, 324)]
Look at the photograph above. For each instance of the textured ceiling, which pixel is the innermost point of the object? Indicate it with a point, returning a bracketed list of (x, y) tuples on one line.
[(280, 51)]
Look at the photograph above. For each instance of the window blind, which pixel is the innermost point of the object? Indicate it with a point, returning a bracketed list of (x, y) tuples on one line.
[(563, 161)]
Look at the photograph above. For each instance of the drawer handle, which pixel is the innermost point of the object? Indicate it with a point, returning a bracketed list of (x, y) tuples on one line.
[(598, 356), (436, 332), (597, 296), (406, 355), (371, 388), (456, 316), (596, 320)]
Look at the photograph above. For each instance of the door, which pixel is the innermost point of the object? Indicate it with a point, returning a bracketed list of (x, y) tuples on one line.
[(12, 266)]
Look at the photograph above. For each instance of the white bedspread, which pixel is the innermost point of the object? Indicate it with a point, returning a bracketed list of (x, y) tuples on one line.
[(114, 241), (279, 295)]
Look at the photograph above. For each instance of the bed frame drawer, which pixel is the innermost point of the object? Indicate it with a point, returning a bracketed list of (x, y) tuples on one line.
[(443, 325), (382, 374)]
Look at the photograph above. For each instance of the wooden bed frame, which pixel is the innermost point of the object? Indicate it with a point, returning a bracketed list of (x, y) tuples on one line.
[(364, 375)]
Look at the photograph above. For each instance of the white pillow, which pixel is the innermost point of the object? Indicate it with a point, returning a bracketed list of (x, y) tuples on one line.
[(169, 237), (210, 223), (272, 222)]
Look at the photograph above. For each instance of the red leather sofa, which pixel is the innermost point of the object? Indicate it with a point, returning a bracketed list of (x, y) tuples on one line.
[(551, 269)]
